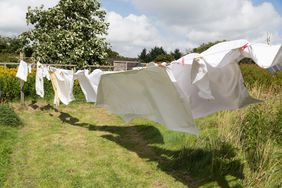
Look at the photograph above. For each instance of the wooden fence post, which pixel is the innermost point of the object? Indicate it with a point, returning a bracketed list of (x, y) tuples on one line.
[(22, 84)]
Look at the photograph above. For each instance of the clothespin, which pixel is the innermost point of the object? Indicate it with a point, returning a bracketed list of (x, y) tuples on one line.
[(244, 47)]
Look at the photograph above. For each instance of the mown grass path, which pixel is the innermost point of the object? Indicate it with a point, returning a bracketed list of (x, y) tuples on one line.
[(81, 146)]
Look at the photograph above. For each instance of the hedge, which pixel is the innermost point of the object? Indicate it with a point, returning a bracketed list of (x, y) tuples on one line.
[(10, 85), (254, 75)]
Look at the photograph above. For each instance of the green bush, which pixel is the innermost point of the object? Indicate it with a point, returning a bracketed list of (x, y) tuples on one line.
[(8, 116)]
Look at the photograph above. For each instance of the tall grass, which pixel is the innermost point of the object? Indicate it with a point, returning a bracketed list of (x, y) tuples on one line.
[(256, 132)]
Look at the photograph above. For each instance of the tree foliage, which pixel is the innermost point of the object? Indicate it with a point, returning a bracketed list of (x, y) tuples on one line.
[(10, 44), (143, 56), (155, 52), (164, 58), (72, 32), (158, 54), (176, 54)]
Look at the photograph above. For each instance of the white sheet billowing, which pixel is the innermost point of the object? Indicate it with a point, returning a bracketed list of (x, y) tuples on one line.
[(212, 81), (146, 93), (89, 83)]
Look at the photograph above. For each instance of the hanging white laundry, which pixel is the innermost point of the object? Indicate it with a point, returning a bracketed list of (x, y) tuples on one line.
[(41, 73), (23, 70), (62, 81), (212, 81), (89, 83), (146, 93), (194, 86)]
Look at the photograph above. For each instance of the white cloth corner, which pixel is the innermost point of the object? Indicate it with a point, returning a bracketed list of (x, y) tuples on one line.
[(22, 72)]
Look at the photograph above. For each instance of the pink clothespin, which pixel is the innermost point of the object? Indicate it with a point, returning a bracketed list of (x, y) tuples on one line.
[(244, 47)]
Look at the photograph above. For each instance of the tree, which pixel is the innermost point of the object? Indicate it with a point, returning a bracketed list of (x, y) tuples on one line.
[(176, 54), (72, 32), (158, 54), (143, 56), (164, 58), (152, 55), (155, 52)]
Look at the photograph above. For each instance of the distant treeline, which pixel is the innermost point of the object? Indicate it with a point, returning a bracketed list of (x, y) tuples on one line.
[(158, 54), (10, 48)]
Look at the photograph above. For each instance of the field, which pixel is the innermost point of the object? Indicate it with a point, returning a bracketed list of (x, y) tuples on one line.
[(83, 146)]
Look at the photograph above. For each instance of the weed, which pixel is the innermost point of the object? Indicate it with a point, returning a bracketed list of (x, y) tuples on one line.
[(8, 117)]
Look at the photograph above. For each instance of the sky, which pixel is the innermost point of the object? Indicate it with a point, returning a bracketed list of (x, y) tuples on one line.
[(182, 24)]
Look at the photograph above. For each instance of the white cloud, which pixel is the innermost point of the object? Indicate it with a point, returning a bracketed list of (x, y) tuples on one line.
[(130, 34), (205, 20), (12, 14), (185, 24)]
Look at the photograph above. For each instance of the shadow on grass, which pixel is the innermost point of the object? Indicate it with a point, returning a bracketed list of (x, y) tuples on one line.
[(192, 166)]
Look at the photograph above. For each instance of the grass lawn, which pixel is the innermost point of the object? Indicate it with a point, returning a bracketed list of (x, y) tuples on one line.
[(8, 137), (83, 146)]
